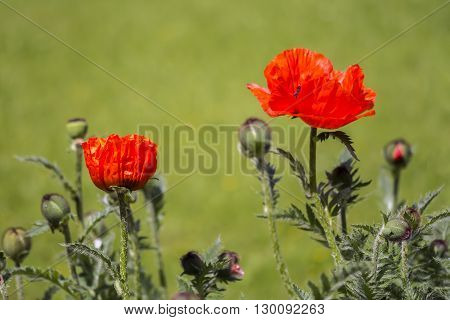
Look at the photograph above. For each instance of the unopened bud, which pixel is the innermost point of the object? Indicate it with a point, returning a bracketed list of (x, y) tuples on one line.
[(154, 191), (439, 247), (412, 216), (185, 296), (233, 270), (398, 153), (397, 230), (340, 177), (254, 138), (77, 128), (16, 244), (192, 263), (55, 209)]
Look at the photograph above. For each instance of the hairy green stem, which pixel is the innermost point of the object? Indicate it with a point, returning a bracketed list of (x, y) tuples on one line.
[(312, 161), (19, 284), (123, 207), (3, 290), (137, 268), (404, 266), (269, 206), (396, 177), (343, 216), (68, 239), (78, 183), (157, 243)]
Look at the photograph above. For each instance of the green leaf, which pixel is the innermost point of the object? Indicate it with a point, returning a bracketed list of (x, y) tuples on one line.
[(435, 218), (296, 166), (211, 254), (52, 276), (39, 227), (426, 200), (315, 291), (92, 220), (95, 254), (342, 137), (302, 294), (53, 168)]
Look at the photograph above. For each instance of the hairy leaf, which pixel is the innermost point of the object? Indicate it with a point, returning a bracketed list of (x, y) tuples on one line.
[(342, 137)]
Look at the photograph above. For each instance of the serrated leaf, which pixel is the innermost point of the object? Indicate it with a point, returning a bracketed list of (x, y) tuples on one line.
[(92, 221), (52, 276), (342, 137), (435, 218), (211, 254), (426, 200), (315, 291), (96, 255), (39, 227), (302, 294), (296, 166)]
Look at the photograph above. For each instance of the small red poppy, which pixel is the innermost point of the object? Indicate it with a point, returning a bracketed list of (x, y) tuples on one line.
[(302, 83), (127, 161)]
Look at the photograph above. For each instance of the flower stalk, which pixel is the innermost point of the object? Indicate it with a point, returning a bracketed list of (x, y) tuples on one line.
[(268, 208), (70, 260), (78, 182), (312, 161), (19, 283), (123, 208)]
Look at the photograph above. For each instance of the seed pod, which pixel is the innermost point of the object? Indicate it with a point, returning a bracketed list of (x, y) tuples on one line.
[(16, 244), (397, 230), (412, 216), (55, 209), (192, 263), (254, 138), (398, 153), (77, 128), (233, 270)]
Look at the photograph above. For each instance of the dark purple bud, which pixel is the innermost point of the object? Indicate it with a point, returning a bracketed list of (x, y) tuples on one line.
[(439, 247), (412, 216), (398, 153), (254, 138), (233, 270), (192, 263)]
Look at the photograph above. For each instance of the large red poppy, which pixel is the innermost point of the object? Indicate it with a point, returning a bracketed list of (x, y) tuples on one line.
[(127, 161), (302, 83)]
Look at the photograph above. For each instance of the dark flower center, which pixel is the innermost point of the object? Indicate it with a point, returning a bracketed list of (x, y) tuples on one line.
[(297, 91)]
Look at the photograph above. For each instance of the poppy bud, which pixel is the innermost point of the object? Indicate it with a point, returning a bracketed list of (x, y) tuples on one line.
[(340, 177), (397, 230), (412, 216), (398, 153), (55, 209), (154, 191), (77, 128), (16, 244), (185, 296), (255, 138), (233, 270), (192, 263), (439, 247), (2, 261)]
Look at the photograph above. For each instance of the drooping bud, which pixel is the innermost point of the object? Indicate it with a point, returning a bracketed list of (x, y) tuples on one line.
[(412, 216), (340, 177), (233, 270), (439, 247), (398, 153), (77, 128), (254, 138), (397, 230), (154, 191), (192, 263), (185, 296), (16, 244), (55, 209)]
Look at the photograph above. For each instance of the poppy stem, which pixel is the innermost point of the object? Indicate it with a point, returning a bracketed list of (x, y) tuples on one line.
[(269, 207), (19, 284), (396, 177), (78, 170), (404, 267), (312, 161), (343, 216), (123, 208), (68, 239)]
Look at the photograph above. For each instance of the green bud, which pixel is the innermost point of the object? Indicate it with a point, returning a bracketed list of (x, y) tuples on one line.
[(77, 128), (412, 216), (192, 263), (398, 153), (439, 247), (16, 244), (55, 209), (154, 191), (397, 230), (254, 138)]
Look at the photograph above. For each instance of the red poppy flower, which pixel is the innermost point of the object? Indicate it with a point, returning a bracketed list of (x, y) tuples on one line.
[(127, 161), (302, 83)]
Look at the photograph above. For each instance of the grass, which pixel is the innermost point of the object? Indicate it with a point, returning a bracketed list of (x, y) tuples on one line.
[(194, 58)]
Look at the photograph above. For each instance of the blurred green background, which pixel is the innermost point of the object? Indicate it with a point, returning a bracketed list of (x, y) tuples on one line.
[(194, 58)]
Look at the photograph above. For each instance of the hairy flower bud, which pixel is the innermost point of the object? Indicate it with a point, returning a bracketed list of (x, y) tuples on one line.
[(439, 247), (77, 128), (16, 244), (154, 191), (254, 138), (192, 263), (397, 230), (233, 270), (412, 216), (398, 153), (340, 177), (55, 209)]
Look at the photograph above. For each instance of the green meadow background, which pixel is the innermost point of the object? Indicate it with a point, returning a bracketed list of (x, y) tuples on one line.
[(194, 58)]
